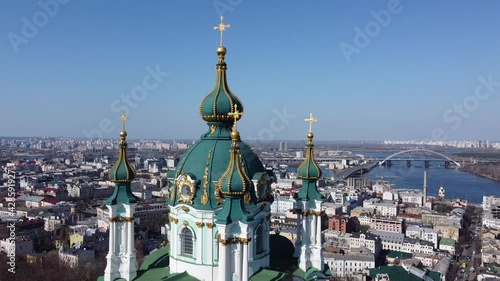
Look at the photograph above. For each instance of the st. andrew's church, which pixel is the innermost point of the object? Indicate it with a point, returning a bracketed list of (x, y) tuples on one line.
[(219, 208)]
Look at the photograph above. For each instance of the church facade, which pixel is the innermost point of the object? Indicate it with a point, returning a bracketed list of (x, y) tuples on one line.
[(219, 206)]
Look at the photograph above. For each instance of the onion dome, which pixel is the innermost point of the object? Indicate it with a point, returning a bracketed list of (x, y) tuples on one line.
[(204, 163), (122, 173), (216, 106), (235, 180), (234, 184), (309, 170)]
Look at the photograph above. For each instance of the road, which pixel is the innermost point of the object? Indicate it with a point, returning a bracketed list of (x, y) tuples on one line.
[(469, 255)]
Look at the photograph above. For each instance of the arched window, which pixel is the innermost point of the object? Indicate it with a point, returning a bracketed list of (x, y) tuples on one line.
[(259, 239), (186, 242)]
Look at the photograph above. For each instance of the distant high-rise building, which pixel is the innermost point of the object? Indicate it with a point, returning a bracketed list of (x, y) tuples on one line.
[(283, 146)]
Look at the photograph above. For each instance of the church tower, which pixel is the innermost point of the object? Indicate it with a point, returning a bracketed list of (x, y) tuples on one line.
[(220, 197), (121, 258), (234, 222), (308, 207)]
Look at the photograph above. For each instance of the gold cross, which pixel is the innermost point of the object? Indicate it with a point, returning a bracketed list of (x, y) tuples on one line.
[(236, 115), (222, 27), (124, 118), (311, 120)]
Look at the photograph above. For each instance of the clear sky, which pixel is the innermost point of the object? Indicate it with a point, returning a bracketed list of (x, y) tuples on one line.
[(368, 70)]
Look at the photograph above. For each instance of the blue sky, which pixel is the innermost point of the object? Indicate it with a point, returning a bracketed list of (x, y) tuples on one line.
[(65, 68)]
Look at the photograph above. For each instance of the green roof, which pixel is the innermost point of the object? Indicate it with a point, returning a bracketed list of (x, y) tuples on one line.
[(122, 174), (399, 273), (447, 242), (122, 171), (206, 161), (309, 172), (217, 105), (265, 274), (399, 255)]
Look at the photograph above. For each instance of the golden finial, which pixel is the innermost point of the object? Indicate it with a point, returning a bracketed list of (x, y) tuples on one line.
[(123, 134), (124, 118), (222, 27), (236, 115), (311, 120)]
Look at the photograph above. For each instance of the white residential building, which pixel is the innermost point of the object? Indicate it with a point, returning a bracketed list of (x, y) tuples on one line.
[(380, 207), (282, 204), (346, 265), (423, 233)]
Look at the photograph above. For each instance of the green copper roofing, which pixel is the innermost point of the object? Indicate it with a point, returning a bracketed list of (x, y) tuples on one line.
[(235, 181), (309, 169), (265, 274), (122, 171), (208, 159), (122, 174), (216, 106), (309, 172), (233, 210), (235, 185), (447, 242)]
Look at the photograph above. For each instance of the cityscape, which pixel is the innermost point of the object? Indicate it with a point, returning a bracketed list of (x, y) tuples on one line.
[(364, 154)]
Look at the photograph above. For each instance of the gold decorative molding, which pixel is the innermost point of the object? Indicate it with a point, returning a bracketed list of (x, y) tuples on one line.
[(247, 198), (182, 181), (224, 242), (209, 225), (199, 224), (121, 219), (244, 241), (185, 209), (174, 220), (212, 129), (185, 223)]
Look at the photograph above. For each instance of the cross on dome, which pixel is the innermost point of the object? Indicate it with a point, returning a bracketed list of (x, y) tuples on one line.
[(222, 27), (311, 120)]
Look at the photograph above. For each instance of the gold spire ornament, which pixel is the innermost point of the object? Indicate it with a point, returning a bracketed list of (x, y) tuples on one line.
[(123, 133), (311, 120), (235, 135), (222, 27), (124, 118), (236, 115)]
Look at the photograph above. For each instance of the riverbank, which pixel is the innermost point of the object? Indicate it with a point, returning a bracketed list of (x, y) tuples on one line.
[(489, 171)]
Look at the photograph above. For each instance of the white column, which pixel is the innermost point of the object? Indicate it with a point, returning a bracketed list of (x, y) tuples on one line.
[(238, 261), (244, 273), (131, 242), (318, 231), (313, 230), (199, 245), (112, 233), (223, 262)]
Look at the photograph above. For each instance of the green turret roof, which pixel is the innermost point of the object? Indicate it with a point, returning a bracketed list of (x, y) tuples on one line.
[(217, 105), (207, 160), (122, 174), (235, 185), (309, 171)]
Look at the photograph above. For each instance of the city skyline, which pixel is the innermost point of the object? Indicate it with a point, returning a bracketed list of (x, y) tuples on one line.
[(421, 72)]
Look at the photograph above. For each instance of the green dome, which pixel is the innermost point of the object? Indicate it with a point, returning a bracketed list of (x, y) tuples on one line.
[(122, 171), (206, 161), (309, 172), (235, 181), (309, 169), (221, 101)]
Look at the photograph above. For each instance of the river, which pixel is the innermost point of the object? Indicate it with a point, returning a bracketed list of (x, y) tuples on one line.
[(456, 182)]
